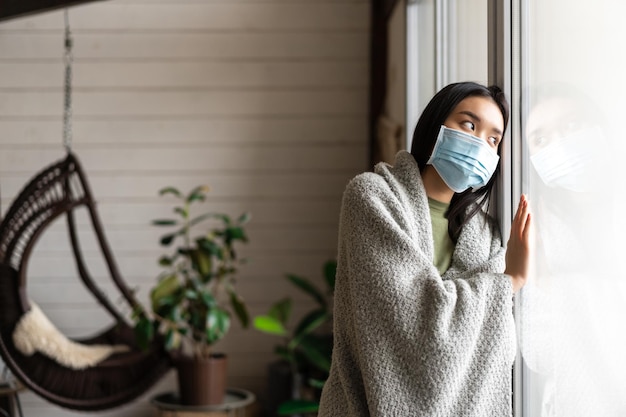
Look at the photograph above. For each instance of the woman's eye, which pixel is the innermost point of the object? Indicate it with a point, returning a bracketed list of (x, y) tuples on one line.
[(538, 141), (469, 125), (493, 140)]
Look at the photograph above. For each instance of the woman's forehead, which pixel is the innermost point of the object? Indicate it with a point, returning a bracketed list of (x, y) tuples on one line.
[(484, 107)]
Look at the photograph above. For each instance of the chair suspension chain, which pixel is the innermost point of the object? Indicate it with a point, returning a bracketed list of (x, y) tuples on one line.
[(67, 108)]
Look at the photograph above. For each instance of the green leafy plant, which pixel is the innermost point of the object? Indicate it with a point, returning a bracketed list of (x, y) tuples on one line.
[(195, 296), (307, 347)]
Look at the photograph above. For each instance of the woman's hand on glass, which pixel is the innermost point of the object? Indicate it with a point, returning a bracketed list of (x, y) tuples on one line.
[(518, 250)]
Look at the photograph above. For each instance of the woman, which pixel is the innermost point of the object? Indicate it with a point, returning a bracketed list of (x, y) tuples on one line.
[(423, 313)]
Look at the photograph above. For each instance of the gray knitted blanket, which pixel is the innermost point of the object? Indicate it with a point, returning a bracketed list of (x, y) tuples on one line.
[(409, 342)]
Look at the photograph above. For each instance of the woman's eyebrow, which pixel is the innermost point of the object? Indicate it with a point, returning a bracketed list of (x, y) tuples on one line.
[(478, 120), (470, 114)]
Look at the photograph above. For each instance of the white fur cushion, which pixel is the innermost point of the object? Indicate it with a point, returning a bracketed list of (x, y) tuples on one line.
[(36, 333)]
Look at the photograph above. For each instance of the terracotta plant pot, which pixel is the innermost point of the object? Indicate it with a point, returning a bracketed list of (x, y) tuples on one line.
[(202, 381)]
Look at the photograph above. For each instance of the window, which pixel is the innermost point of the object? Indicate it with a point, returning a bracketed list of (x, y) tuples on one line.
[(561, 64), (446, 42), (571, 313), (421, 65)]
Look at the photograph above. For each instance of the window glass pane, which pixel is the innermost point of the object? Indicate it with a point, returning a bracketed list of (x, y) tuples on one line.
[(421, 57), (445, 43), (573, 309), (468, 40)]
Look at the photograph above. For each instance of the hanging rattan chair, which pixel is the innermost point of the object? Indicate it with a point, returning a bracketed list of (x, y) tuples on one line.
[(58, 191)]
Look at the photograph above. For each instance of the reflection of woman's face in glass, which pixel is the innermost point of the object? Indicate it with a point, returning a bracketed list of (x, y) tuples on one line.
[(553, 119), (564, 142)]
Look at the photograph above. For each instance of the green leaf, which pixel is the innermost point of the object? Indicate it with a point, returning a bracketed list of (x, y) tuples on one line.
[(202, 263), (297, 407), (240, 309), (225, 218), (174, 313), (281, 310), (172, 339), (207, 299), (167, 240), (184, 251), (197, 319), (164, 288), (209, 246), (201, 218), (191, 295), (315, 354), (269, 325), (217, 324), (330, 272), (316, 383), (165, 261), (309, 323), (307, 287), (144, 332), (164, 304), (235, 233), (138, 311), (244, 218), (170, 190), (220, 253), (197, 194), (284, 353), (164, 222), (183, 212)]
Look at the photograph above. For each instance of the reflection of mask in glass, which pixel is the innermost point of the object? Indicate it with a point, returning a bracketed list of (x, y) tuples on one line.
[(463, 160), (569, 161)]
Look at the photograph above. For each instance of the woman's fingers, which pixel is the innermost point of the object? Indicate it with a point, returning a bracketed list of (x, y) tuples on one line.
[(518, 248), (527, 228), (521, 216), (525, 222)]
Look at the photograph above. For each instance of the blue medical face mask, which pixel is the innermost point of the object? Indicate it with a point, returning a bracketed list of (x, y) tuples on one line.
[(573, 161), (463, 160)]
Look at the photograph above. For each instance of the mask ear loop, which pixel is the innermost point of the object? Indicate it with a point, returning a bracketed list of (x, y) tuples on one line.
[(437, 142)]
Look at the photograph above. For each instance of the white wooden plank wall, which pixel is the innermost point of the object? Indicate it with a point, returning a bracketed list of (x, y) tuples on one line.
[(264, 100)]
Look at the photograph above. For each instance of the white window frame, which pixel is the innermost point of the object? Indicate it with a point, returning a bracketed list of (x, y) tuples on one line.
[(507, 21)]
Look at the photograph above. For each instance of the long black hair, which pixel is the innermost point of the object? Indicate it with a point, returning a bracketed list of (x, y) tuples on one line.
[(425, 136)]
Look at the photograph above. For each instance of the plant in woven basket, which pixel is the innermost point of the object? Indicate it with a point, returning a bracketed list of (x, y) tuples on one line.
[(195, 297)]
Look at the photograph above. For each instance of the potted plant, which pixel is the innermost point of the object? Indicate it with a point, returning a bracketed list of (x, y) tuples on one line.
[(196, 296), (305, 350)]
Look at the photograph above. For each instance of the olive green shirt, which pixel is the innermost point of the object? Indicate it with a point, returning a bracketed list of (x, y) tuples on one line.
[(443, 245)]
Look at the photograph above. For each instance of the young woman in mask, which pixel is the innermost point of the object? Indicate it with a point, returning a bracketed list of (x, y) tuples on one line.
[(423, 298)]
